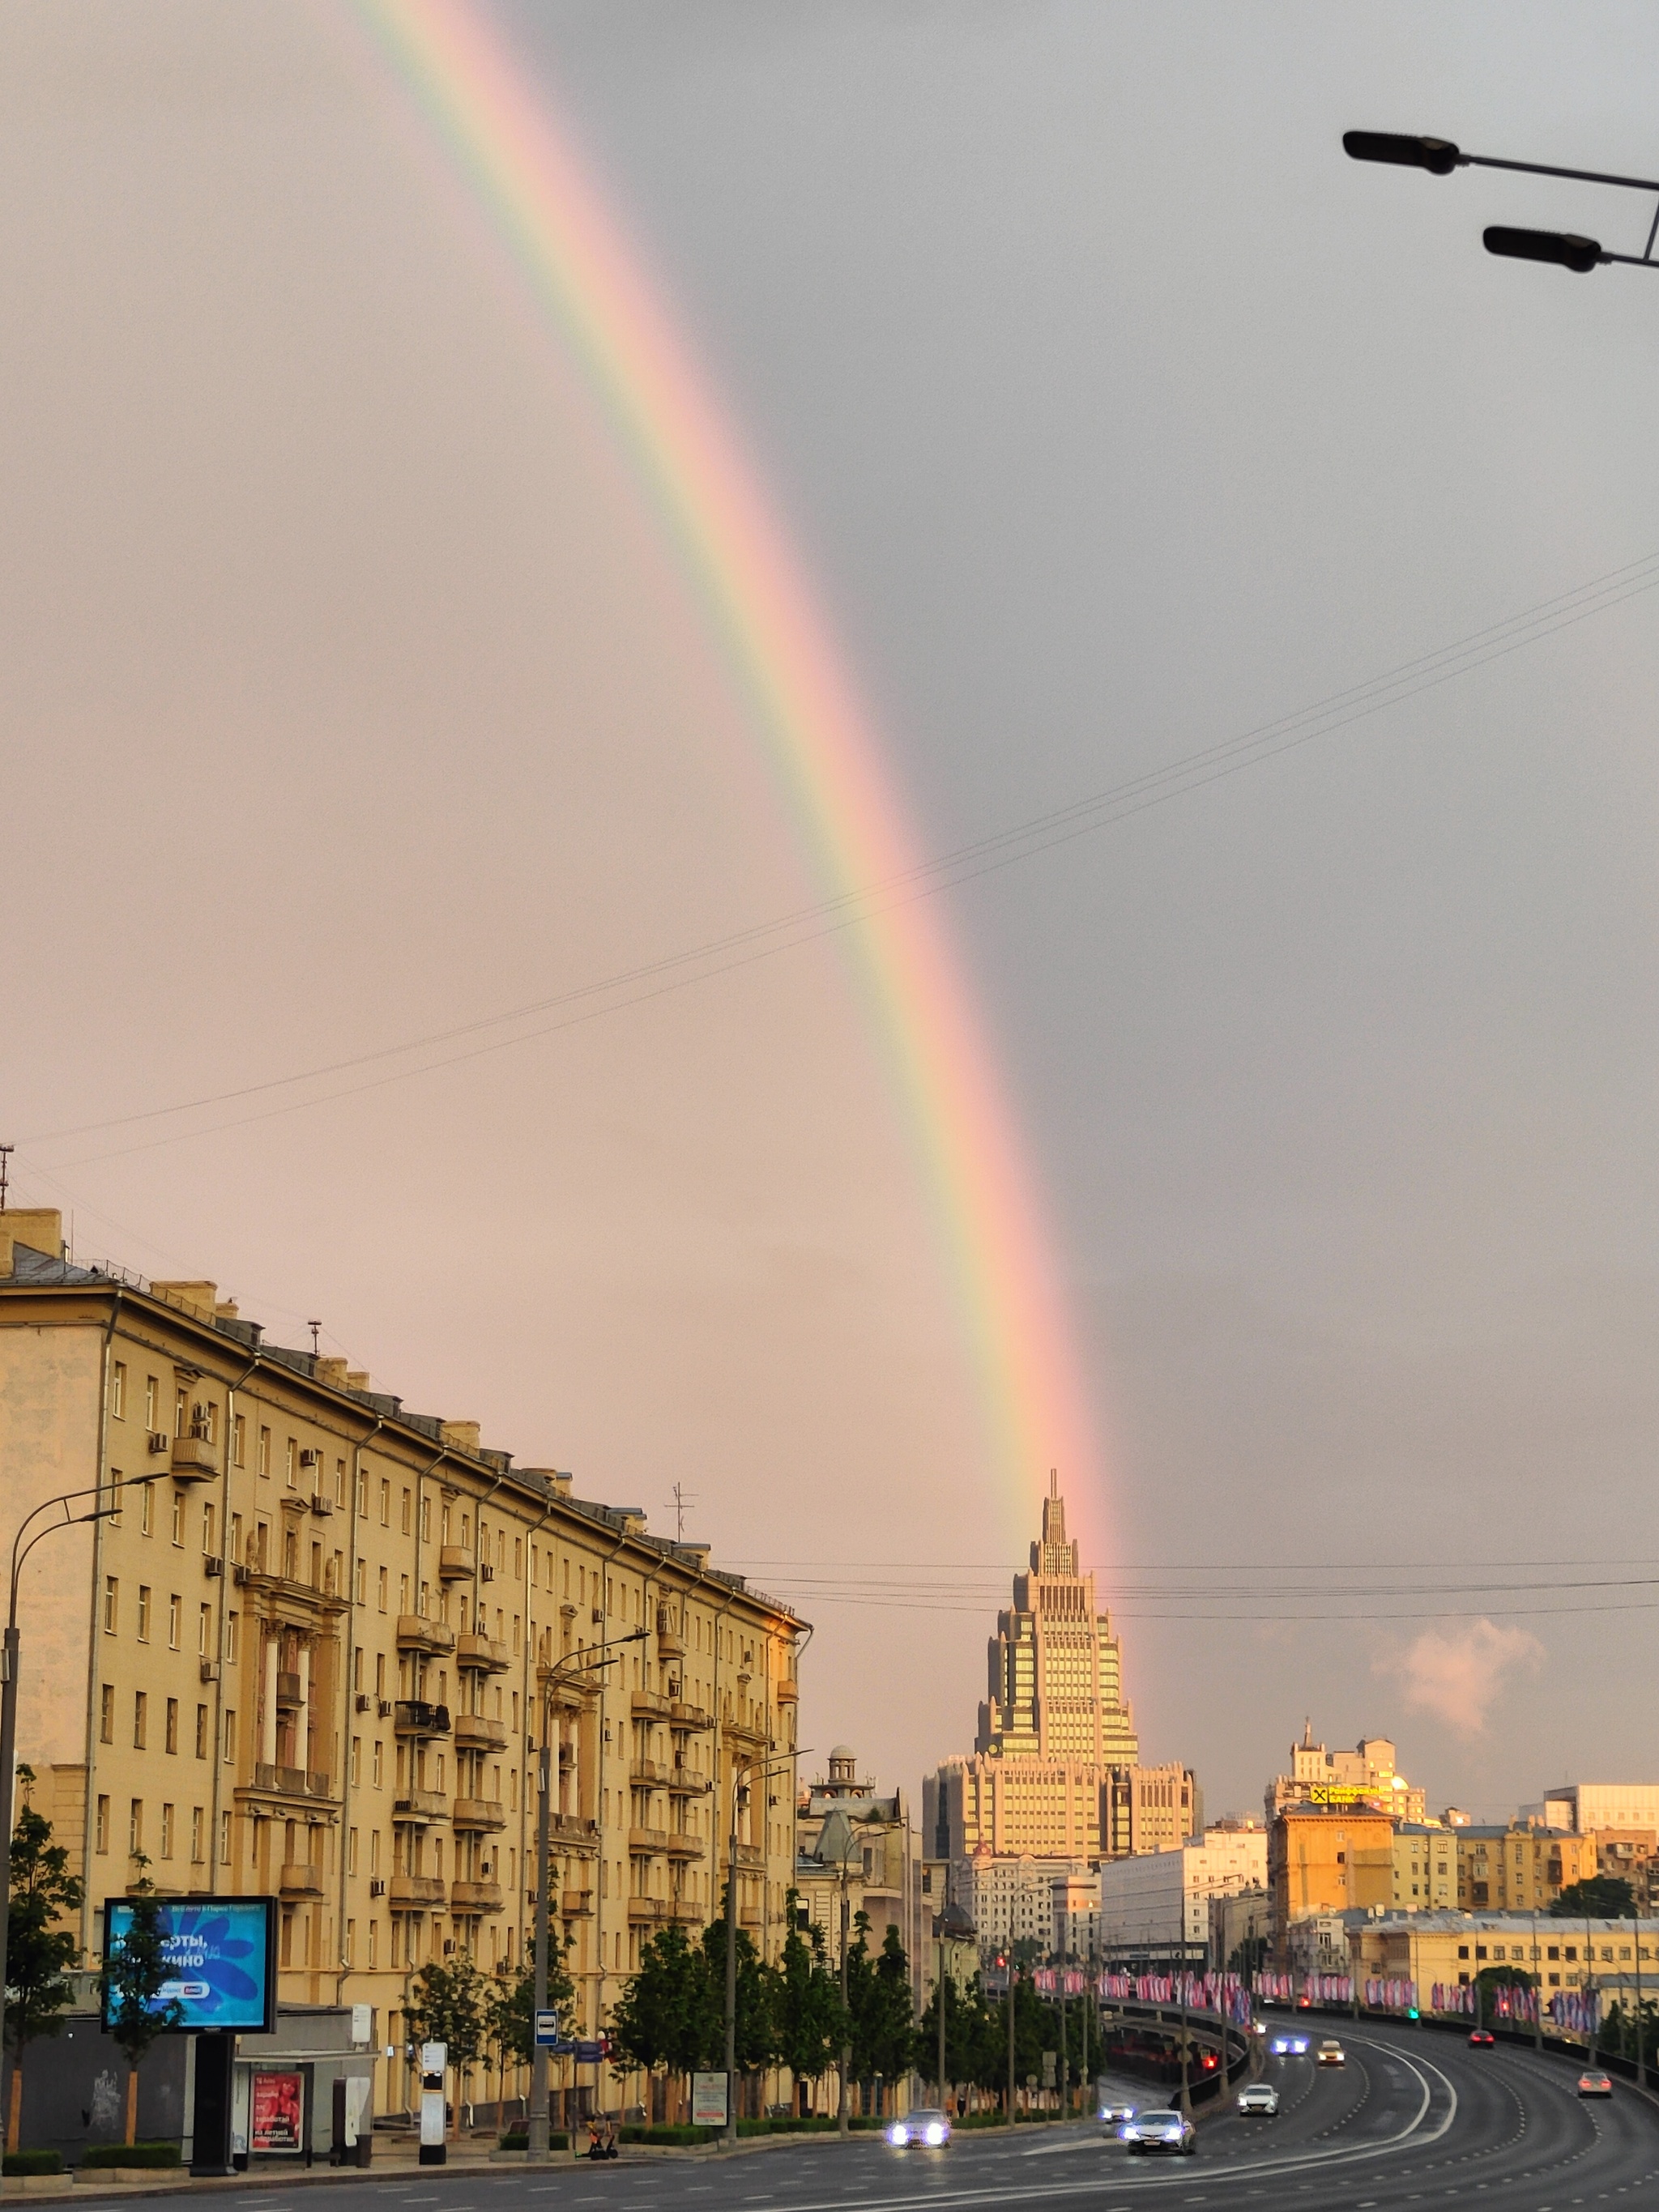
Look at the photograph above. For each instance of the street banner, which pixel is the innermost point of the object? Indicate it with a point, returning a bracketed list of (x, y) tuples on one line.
[(708, 2100), (278, 2104)]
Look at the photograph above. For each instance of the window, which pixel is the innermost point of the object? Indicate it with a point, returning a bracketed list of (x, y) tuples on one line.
[(233, 1636), (210, 1521), (377, 1769), (146, 1508), (373, 1944), (291, 1464), (140, 1718), (106, 1713), (135, 1827), (407, 1522), (403, 1593), (181, 1410), (356, 1764), (230, 1734), (359, 1583), (112, 1604), (426, 1519), (178, 1516), (264, 1452), (167, 1831), (339, 1482), (238, 1441), (1552, 1951), (117, 1390), (173, 1725), (175, 1621), (235, 1535), (152, 1402), (352, 1850), (374, 1851), (224, 1840), (383, 1589), (100, 1826), (350, 1940), (204, 1630), (198, 1834), (143, 1613), (201, 1731), (363, 1495), (386, 1502)]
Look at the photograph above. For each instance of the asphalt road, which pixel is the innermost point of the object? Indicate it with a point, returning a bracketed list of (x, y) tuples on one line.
[(1415, 2117)]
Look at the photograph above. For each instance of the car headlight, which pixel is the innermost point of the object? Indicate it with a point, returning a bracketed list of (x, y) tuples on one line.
[(897, 2135), (933, 2135)]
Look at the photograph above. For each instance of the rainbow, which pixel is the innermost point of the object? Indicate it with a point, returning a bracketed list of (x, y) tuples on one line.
[(499, 131)]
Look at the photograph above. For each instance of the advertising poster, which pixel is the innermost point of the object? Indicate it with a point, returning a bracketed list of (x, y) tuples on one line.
[(279, 2107), (220, 1952), (708, 2100)]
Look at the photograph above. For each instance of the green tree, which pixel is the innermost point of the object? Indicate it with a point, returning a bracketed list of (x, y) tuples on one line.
[(756, 2009), (510, 2009), (451, 2005), (884, 2035), (38, 1951), (130, 1986), (809, 2023), (1599, 1897), (669, 2013)]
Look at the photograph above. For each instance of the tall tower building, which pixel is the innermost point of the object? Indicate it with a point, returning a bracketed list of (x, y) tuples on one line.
[(1056, 1687)]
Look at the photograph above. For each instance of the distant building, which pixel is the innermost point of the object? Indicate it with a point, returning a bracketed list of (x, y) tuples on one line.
[(1366, 1776), (1157, 1906), (1586, 1807), (1076, 1915), (1011, 1901), (852, 1843), (1425, 1867), (1630, 1855), (1149, 1809), (1239, 1928), (1519, 1868), (1454, 1947), (1326, 1859)]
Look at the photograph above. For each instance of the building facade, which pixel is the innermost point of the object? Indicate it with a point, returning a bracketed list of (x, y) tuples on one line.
[(854, 1847), (316, 1650), (1326, 1859), (1454, 1947), (1367, 1776), (1519, 1867), (1425, 1867), (1158, 1906)]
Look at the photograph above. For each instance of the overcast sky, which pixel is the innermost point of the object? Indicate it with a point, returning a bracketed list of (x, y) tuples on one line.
[(349, 695)]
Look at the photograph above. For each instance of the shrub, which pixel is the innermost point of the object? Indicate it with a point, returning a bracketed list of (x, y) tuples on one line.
[(149, 2153), (519, 2139), (34, 2161)]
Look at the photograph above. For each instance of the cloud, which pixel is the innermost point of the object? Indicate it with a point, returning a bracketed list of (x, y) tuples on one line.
[(1457, 1674)]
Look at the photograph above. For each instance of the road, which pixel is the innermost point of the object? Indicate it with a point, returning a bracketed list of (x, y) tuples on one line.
[(1415, 2118)]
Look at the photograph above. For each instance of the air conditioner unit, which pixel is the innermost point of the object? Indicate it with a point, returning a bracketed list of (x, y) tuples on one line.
[(673, 1689), (365, 1703), (320, 1504), (211, 1566), (377, 1887), (488, 1574), (210, 1670), (598, 1613), (159, 1440), (384, 1708), (310, 1459), (240, 1573)]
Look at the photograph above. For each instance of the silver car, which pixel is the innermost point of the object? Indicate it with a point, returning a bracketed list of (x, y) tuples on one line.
[(1261, 2097), (1166, 2130), (926, 2124)]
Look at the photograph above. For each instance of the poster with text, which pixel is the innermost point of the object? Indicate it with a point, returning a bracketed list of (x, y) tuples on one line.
[(278, 2104)]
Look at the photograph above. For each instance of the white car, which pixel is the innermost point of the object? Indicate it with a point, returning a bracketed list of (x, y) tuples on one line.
[(1114, 2115), (1164, 2130), (1330, 2053), (1260, 2097), (926, 2124)]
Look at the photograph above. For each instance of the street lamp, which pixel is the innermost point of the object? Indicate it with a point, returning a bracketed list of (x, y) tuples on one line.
[(1565, 249), (757, 1763), (580, 1662), (8, 1670)]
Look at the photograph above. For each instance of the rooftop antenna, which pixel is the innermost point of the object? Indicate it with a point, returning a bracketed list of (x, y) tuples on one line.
[(681, 1504), (316, 1328), (6, 1151), (1054, 1482)]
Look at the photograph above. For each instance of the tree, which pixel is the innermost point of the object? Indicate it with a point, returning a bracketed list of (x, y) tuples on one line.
[(669, 2013), (510, 2010), (809, 2027), (450, 2005), (883, 2034), (38, 1952), (134, 1972), (1598, 1897)]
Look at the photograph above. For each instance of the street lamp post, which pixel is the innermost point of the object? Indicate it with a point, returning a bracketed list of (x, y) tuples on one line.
[(757, 1764), (576, 1662), (1566, 249), (8, 1675)]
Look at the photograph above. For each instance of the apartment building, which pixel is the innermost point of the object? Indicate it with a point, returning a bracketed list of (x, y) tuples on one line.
[(1326, 1858), (315, 1649), (1157, 1906), (1454, 1947), (1367, 1776), (854, 1845), (1425, 1867), (1519, 1868)]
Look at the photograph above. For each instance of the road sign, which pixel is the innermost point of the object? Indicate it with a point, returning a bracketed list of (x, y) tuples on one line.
[(547, 2031), (589, 2054)]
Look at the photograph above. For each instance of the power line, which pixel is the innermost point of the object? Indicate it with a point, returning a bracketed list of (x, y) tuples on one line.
[(1004, 848)]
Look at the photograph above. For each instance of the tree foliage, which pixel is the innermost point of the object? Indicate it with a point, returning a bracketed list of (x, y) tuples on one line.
[(130, 1986), (510, 2004), (451, 2005), (40, 1951), (1598, 1897)]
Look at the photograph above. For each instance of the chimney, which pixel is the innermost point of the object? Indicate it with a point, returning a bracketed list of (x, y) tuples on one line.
[(556, 1480), (330, 1372), (462, 1436), (200, 1299), (356, 1378), (38, 1228)]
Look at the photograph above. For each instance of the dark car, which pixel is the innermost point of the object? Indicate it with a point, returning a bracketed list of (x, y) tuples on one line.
[(1481, 2038)]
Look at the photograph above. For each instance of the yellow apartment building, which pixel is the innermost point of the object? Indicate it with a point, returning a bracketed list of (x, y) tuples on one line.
[(313, 1653), (1519, 1868), (1424, 1858)]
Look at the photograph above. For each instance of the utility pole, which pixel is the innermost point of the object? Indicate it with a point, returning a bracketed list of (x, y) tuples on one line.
[(755, 1766), (1065, 2060), (1641, 2054), (938, 2003), (1012, 1972), (1538, 1990), (578, 1662)]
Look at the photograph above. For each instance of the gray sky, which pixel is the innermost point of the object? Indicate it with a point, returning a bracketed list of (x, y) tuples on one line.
[(351, 696)]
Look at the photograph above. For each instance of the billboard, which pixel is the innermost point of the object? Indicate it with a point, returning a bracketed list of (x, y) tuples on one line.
[(223, 1953), (279, 2111)]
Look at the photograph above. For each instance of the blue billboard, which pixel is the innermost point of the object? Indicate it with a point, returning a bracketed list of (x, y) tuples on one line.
[(223, 1953)]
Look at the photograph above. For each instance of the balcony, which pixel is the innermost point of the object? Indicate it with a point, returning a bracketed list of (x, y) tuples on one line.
[(301, 1881), (193, 1460), (481, 1654), (479, 1813), (577, 1904), (681, 1844), (574, 1833), (646, 1774), (681, 1782), (455, 1564), (787, 1692), (643, 1911), (292, 1781), (751, 1859), (417, 1633), (646, 1843), (474, 1733), (414, 1716), (746, 1721), (649, 1707), (476, 1896), (670, 1643), (422, 1805), (290, 1693), (412, 1891), (682, 1716)]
